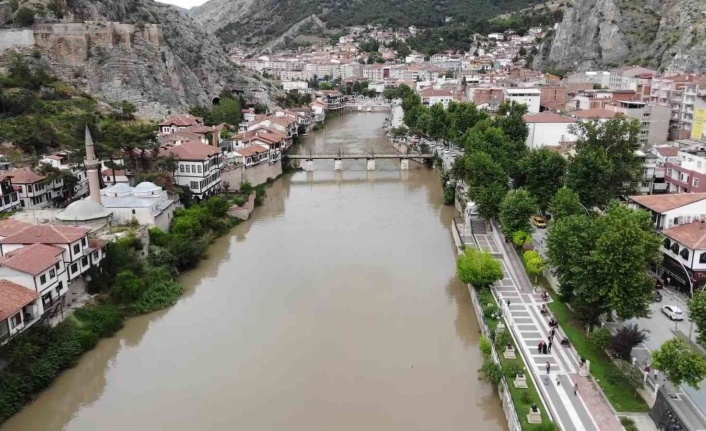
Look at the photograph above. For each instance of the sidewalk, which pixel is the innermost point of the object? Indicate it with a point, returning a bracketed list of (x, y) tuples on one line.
[(586, 411)]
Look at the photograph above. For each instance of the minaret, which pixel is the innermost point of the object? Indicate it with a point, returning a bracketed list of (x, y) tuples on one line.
[(92, 165)]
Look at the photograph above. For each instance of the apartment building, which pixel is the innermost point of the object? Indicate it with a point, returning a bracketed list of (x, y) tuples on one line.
[(679, 93), (688, 173), (527, 96), (653, 118), (199, 166)]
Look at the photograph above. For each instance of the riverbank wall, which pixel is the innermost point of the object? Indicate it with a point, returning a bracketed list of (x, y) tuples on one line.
[(256, 175), (513, 421)]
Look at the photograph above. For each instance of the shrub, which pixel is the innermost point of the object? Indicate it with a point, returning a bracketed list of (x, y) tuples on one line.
[(600, 338), (491, 371), (246, 188), (240, 200), (486, 346), (25, 16), (623, 373), (628, 424), (127, 287), (521, 238), (102, 319), (490, 310), (159, 295), (526, 398), (625, 339), (260, 194), (513, 368), (503, 339), (547, 426)]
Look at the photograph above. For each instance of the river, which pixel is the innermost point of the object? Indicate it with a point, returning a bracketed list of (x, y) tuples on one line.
[(335, 307)]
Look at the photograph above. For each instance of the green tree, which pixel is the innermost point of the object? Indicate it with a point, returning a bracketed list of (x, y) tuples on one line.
[(564, 203), (521, 238), (609, 150), (127, 287), (478, 268), (535, 263), (515, 211), (25, 16), (542, 174), (488, 199), (680, 363), (627, 245), (697, 313), (227, 111)]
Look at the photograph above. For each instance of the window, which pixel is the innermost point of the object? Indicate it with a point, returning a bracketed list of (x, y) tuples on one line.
[(84, 261), (77, 248), (84, 242), (667, 243), (95, 255), (669, 172), (14, 197), (199, 167), (181, 168), (675, 248), (194, 185), (695, 183), (52, 273), (133, 211), (57, 266), (16, 320), (47, 300), (684, 253), (188, 169), (702, 258), (74, 267), (43, 279)]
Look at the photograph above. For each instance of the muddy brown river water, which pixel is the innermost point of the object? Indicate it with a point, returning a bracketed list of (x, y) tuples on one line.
[(335, 307)]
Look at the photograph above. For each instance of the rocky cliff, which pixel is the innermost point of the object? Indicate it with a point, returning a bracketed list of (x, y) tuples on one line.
[(663, 34), (142, 51)]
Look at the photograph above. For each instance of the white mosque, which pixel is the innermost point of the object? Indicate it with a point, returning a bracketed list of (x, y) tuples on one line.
[(146, 203)]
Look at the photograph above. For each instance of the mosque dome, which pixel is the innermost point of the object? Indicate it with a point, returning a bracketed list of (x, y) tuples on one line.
[(82, 211)]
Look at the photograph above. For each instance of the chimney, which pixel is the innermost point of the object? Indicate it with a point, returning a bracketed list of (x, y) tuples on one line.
[(92, 165)]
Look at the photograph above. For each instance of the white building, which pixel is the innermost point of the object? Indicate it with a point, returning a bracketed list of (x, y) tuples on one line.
[(34, 190), (200, 166), (19, 309), (147, 203), (527, 96), (431, 97), (61, 161), (548, 129)]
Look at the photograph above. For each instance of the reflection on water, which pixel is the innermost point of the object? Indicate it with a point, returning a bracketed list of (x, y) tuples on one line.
[(334, 307)]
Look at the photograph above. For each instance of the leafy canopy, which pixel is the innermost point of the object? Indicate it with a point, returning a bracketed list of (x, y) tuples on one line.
[(478, 268)]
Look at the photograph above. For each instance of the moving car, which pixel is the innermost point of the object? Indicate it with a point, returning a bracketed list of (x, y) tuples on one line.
[(673, 312), (539, 222)]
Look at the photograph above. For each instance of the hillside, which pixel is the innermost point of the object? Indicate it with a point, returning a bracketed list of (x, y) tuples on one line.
[(253, 22), (663, 34), (148, 53)]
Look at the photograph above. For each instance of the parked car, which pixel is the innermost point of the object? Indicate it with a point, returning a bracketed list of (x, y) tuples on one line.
[(539, 222), (673, 312), (657, 297)]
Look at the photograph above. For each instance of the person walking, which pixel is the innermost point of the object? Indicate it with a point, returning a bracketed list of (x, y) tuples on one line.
[(558, 382), (539, 347), (544, 347), (549, 346), (549, 367), (576, 388)]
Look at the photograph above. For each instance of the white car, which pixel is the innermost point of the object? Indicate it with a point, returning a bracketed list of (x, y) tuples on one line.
[(673, 312)]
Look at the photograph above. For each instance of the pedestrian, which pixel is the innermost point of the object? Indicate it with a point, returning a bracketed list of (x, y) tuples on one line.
[(553, 331), (558, 382), (576, 388), (544, 347), (550, 346), (549, 367), (508, 303), (656, 374), (539, 347)]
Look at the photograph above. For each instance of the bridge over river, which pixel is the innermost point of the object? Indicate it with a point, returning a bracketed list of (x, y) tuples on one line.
[(371, 156)]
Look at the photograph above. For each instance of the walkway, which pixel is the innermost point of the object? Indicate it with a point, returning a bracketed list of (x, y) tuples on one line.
[(587, 411)]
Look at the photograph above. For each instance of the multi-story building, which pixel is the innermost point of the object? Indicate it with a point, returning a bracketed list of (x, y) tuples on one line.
[(61, 161), (9, 199), (688, 173), (179, 122), (526, 96), (679, 93), (653, 118), (36, 191), (431, 97), (548, 129), (199, 166)]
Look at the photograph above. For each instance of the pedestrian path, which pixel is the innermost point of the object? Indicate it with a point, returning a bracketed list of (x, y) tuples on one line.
[(585, 410)]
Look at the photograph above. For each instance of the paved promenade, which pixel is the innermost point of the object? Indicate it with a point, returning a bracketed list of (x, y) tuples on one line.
[(585, 411)]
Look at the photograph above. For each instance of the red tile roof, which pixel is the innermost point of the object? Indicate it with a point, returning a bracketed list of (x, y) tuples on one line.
[(692, 235), (664, 203), (181, 120), (11, 226), (32, 259), (97, 243), (13, 297), (113, 172), (667, 151), (251, 150), (47, 234), (430, 92), (189, 150), (25, 176), (547, 117)]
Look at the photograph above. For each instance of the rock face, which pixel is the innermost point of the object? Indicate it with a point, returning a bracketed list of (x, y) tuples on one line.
[(148, 53), (664, 34)]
